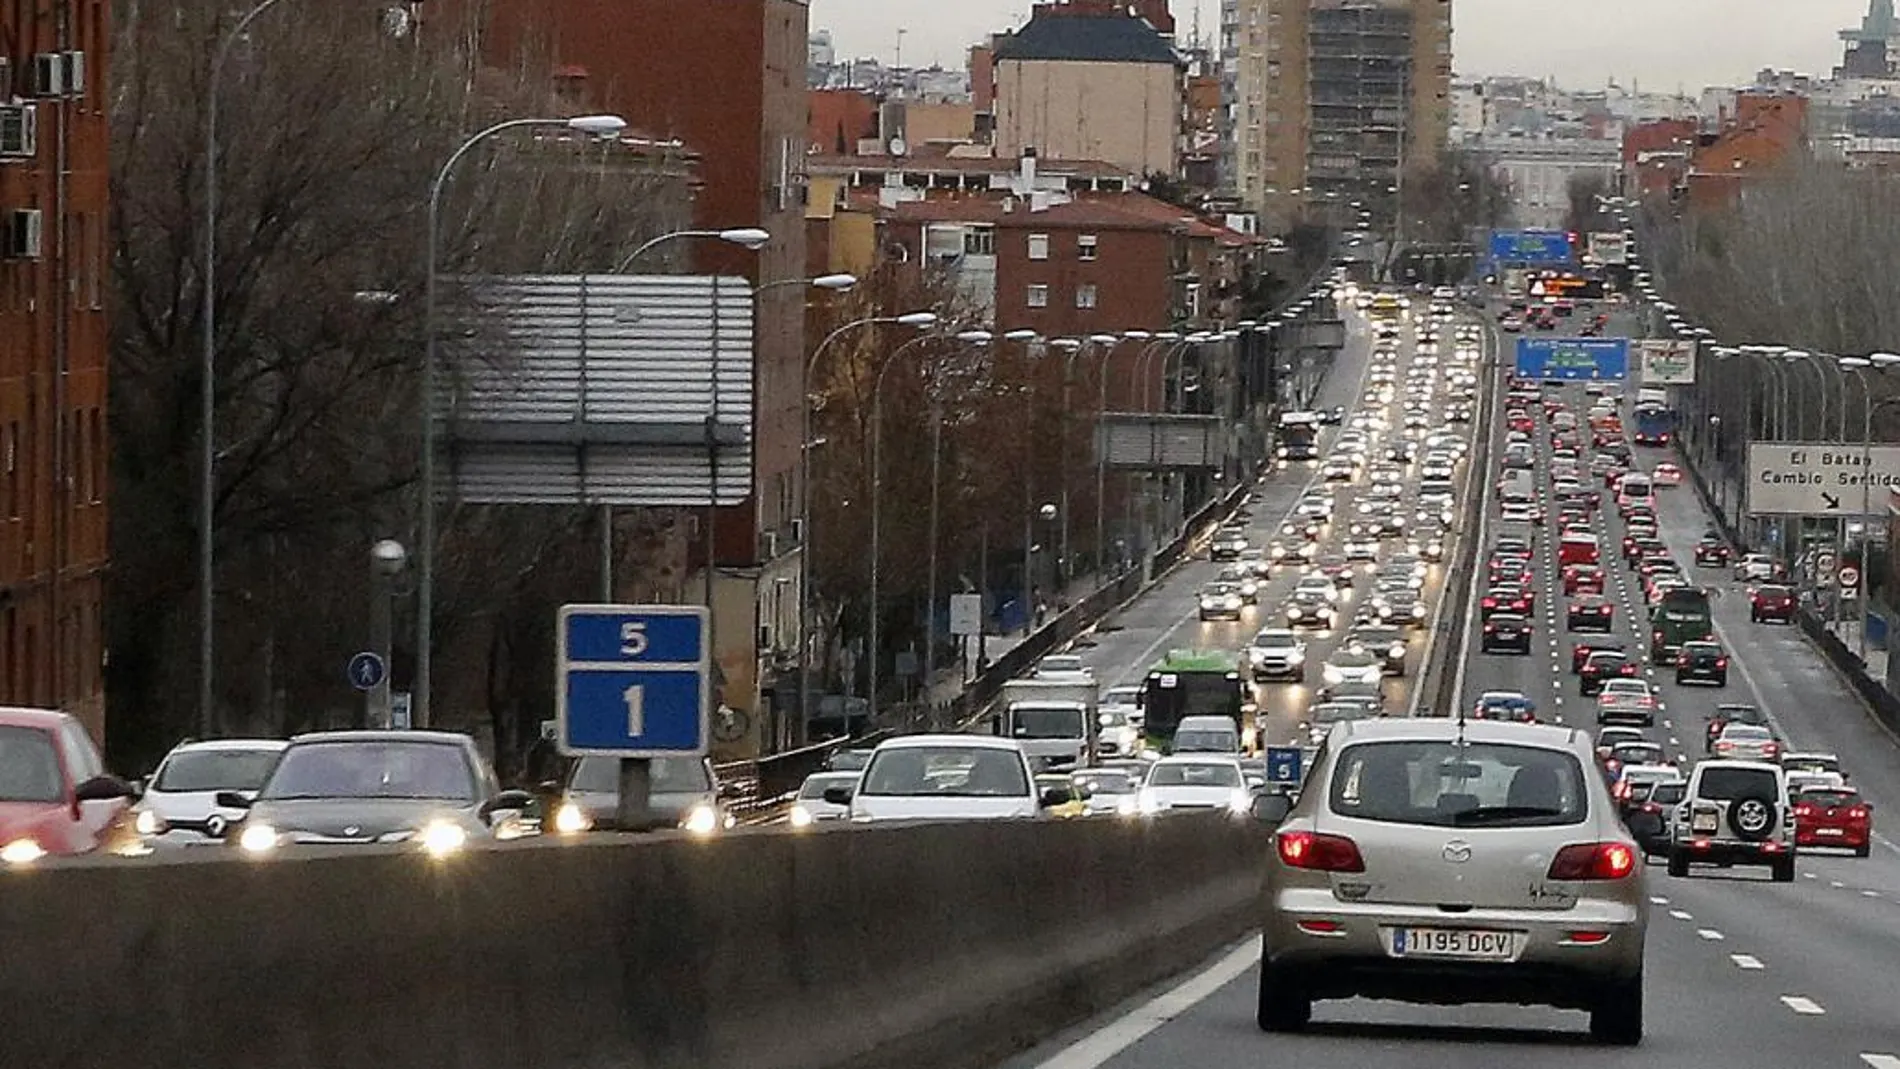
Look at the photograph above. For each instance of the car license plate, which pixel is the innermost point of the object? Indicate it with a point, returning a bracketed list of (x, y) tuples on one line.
[(1828, 831), (1703, 822), (1463, 943)]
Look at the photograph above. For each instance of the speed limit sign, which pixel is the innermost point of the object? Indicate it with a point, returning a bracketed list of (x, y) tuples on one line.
[(1850, 577)]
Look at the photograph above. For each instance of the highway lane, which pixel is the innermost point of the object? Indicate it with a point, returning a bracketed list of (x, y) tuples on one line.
[(1121, 650)]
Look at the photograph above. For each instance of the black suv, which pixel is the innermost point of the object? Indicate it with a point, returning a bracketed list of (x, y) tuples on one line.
[(1733, 714), (1603, 666), (1506, 631), (1702, 662)]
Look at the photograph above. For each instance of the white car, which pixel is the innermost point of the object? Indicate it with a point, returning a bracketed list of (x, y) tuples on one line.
[(1277, 653), (1317, 584), (1626, 701), (1353, 664), (947, 777), (1064, 667), (812, 807), (1755, 567), (1195, 781), (180, 803)]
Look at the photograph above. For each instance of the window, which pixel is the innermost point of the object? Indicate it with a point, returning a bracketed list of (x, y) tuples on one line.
[(1085, 247), (1085, 295), (1038, 246), (1038, 296), (1442, 784), (979, 241)]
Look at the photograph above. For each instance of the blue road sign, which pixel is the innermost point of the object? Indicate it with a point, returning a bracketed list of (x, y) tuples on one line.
[(366, 671), (1531, 247), (635, 680), (1283, 766), (1573, 359)]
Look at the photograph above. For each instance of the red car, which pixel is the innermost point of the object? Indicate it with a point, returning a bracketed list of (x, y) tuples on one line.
[(1520, 420), (1833, 816), (55, 796), (1583, 579), (1767, 603)]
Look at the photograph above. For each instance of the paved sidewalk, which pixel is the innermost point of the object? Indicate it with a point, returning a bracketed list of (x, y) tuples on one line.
[(1848, 631), (952, 678)]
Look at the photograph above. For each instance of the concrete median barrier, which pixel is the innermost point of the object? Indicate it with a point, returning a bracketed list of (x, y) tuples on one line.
[(921, 946)]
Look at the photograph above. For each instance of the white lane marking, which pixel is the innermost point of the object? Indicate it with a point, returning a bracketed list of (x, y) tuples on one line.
[(1658, 900), (1810, 875), (1098, 1047), (1710, 934), (1881, 1061), (1802, 1004), (1747, 961), (1836, 884), (1870, 894), (1682, 914)]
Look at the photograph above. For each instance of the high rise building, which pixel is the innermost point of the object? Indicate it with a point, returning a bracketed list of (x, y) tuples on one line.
[(1337, 101), (53, 263)]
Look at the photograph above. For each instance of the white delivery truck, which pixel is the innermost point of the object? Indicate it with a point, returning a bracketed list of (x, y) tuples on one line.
[(1053, 720)]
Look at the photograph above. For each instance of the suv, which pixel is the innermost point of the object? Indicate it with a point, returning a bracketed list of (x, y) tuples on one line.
[(1702, 662), (1735, 812), (1472, 892)]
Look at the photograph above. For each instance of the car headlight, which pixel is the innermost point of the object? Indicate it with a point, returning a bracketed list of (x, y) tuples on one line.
[(148, 822), (257, 838), (1297, 657), (1150, 804), (1241, 802), (701, 820), (22, 852), (1332, 674), (1127, 805), (442, 838), (1293, 612), (801, 817), (571, 819), (1397, 651)]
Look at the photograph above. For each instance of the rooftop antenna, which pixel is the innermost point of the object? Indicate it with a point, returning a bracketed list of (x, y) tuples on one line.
[(898, 62)]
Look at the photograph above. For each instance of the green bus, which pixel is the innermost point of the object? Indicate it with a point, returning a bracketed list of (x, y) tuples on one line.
[(1191, 683), (1682, 616)]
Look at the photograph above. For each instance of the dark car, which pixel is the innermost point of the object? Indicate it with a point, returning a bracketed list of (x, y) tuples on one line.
[(1385, 640), (1702, 662), (1497, 600), (1733, 713), (429, 788), (1309, 610), (1499, 705), (1591, 612), (1771, 603), (1711, 553), (1603, 666), (55, 796), (1506, 632), (1580, 653), (1646, 813)]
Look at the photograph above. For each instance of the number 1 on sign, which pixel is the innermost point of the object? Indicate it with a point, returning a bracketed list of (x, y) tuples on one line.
[(635, 697)]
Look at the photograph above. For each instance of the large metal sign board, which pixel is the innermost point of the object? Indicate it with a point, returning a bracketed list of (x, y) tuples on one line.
[(601, 389), (1530, 247), (1609, 247), (1667, 363), (1819, 478), (633, 680), (1315, 334), (1573, 359), (1147, 442)]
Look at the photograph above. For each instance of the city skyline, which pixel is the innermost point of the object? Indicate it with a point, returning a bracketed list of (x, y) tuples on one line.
[(1580, 46)]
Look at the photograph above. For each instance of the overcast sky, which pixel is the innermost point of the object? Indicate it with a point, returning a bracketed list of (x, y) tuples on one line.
[(1660, 44)]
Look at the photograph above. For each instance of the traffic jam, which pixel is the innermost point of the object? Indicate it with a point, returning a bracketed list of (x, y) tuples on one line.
[(1578, 569)]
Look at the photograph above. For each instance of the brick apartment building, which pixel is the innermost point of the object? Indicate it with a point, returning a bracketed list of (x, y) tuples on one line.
[(727, 78), (53, 437)]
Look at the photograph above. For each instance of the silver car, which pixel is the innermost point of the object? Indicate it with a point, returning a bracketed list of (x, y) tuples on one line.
[(1444, 862)]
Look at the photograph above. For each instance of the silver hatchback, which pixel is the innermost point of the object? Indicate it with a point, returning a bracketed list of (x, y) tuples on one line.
[(1441, 862)]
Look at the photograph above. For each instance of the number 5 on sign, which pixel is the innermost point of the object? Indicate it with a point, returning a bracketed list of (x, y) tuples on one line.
[(636, 699), (633, 638)]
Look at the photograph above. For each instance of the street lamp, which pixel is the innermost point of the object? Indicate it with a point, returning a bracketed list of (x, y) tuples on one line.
[(596, 125), (922, 320), (746, 237), (387, 558)]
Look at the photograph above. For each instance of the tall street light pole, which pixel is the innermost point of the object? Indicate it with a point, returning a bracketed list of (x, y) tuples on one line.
[(1068, 347), (975, 339), (1101, 445), (918, 320), (208, 376), (597, 125), (877, 447), (1029, 339)]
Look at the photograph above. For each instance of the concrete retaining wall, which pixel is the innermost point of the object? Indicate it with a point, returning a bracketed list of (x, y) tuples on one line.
[(926, 946)]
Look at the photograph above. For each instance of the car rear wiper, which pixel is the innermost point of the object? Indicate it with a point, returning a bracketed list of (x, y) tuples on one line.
[(1488, 814)]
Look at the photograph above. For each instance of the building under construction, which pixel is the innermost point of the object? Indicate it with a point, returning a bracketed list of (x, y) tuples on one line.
[(1337, 101)]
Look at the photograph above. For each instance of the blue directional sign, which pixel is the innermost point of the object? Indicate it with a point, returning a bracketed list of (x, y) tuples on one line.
[(1283, 766), (635, 680), (366, 671), (1573, 359), (1531, 247)]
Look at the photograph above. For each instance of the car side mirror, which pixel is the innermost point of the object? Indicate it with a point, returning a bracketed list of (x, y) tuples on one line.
[(103, 788), (1256, 783), (1272, 809), (232, 800), (138, 787), (516, 801), (838, 795), (1056, 796)]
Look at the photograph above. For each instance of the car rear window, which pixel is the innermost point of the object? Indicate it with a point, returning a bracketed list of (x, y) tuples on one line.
[(1829, 799), (1668, 793), (1445, 784), (1773, 591), (1727, 784)]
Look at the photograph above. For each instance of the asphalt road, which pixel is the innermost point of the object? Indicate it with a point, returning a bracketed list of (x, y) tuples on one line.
[(1166, 617), (1740, 971)]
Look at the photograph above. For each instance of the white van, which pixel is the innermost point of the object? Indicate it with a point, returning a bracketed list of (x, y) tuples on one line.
[(1635, 489), (1518, 484)]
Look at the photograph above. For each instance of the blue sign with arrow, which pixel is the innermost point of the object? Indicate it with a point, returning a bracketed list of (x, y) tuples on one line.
[(1573, 359), (1283, 766), (635, 680)]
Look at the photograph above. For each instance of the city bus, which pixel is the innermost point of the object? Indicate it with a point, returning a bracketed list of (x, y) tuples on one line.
[(1192, 683), (1683, 616), (1299, 438)]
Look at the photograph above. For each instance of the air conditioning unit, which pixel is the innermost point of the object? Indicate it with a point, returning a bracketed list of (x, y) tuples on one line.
[(19, 131), (75, 73), (23, 234), (49, 74)]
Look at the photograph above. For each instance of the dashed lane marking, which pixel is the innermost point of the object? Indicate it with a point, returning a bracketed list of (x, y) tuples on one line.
[(1747, 961), (1870, 894), (1682, 914), (1104, 1044), (1710, 934), (1803, 1005), (1881, 1061), (1658, 900), (1836, 884)]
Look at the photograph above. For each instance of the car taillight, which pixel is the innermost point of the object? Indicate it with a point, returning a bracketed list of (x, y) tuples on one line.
[(1490, 603), (1721, 662), (1724, 746), (1770, 749), (1655, 636), (1651, 807), (1682, 661), (1622, 791), (1803, 810), (1858, 812), (1324, 853), (1490, 627), (1593, 861)]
